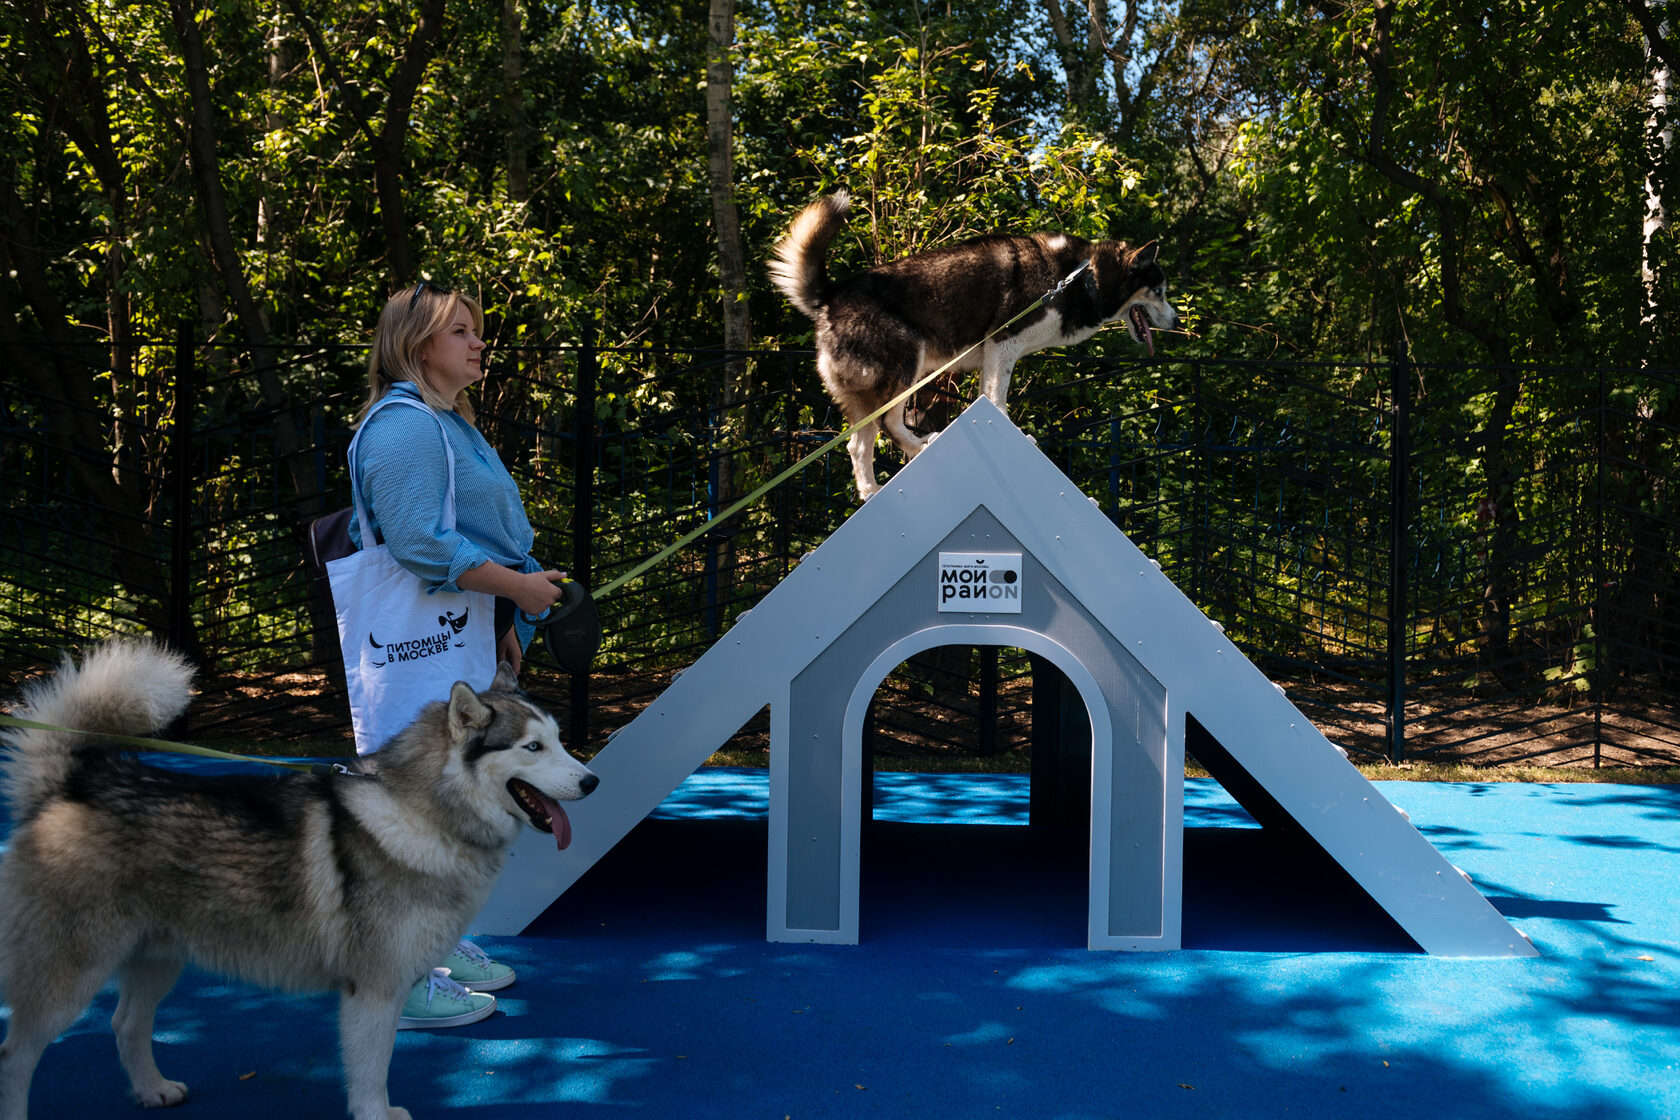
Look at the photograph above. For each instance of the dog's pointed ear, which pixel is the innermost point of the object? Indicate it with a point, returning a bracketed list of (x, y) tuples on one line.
[(505, 680), (466, 710), (1144, 255)]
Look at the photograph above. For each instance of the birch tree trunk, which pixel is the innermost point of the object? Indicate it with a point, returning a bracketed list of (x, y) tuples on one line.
[(1656, 213)]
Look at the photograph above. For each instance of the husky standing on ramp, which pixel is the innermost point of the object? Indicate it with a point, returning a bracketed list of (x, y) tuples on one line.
[(358, 882), (878, 331)]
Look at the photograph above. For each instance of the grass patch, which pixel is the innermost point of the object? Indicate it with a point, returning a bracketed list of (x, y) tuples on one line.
[(1463, 772)]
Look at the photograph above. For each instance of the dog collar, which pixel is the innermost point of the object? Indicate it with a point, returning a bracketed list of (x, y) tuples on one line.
[(338, 768), (1084, 268)]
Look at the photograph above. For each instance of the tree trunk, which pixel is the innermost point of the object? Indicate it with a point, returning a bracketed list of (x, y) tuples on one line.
[(389, 162), (1078, 62), (58, 40), (1662, 144), (1502, 534), (513, 101), (386, 146), (720, 164), (202, 141), (64, 388), (732, 270)]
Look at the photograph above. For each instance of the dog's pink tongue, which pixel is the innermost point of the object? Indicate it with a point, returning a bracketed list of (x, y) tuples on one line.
[(1141, 322), (561, 822)]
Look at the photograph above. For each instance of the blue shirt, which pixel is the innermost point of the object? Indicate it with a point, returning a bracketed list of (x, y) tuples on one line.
[(402, 476)]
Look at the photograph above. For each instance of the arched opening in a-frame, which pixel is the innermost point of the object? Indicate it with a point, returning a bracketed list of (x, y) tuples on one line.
[(952, 834), (950, 862)]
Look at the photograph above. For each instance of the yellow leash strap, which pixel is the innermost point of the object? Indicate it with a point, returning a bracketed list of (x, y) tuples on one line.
[(742, 504), (155, 744)]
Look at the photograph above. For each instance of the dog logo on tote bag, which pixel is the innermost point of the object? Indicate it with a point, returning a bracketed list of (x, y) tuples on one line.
[(450, 629)]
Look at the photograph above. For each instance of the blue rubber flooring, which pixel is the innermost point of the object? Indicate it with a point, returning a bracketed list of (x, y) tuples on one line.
[(649, 990)]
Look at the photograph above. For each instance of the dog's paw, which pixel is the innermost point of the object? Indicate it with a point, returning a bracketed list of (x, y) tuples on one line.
[(395, 1113), (161, 1094)]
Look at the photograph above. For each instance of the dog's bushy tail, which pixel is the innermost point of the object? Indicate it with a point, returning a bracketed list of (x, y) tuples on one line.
[(122, 687), (800, 266)]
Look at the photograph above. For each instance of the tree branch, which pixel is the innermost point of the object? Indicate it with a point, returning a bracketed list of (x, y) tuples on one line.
[(386, 144), (388, 150), (1375, 55), (318, 45), (88, 119), (1655, 36)]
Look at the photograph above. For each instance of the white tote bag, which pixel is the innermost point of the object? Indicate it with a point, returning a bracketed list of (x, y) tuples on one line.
[(402, 647)]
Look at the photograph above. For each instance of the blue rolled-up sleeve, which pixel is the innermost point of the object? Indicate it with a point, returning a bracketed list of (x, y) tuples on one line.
[(404, 478)]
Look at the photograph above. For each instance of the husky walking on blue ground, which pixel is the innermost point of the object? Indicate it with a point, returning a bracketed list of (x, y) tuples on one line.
[(356, 882)]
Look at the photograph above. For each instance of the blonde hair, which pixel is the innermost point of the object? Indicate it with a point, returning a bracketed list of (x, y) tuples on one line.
[(410, 319)]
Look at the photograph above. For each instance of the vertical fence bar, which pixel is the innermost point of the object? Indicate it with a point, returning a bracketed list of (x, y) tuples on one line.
[(180, 529), (1399, 478), (1114, 435), (716, 501), (1198, 487), (782, 496), (1600, 574), (988, 743), (582, 563)]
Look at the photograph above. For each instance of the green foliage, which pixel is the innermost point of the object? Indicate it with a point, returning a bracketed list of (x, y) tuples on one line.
[(1251, 152), (1327, 181), (1466, 178)]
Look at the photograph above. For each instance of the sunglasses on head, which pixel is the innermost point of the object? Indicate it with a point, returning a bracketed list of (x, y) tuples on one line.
[(440, 289)]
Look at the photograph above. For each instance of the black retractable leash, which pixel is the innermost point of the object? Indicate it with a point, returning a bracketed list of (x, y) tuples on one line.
[(571, 631)]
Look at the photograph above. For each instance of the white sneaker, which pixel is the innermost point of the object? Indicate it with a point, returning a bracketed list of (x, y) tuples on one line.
[(438, 1001), (471, 967)]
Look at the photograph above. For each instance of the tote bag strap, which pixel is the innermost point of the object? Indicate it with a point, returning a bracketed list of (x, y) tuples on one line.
[(448, 458)]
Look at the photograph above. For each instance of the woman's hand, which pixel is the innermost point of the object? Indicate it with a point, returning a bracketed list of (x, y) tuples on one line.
[(531, 592), (538, 591), (507, 649)]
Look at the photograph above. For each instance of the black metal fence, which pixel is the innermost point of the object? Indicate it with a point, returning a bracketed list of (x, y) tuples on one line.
[(1455, 561)]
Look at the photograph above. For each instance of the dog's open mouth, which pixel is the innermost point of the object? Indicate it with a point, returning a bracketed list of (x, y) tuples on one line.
[(544, 812), (1140, 327)]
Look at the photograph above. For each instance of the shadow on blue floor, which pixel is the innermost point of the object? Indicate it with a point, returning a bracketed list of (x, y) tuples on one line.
[(649, 990), (1008, 886)]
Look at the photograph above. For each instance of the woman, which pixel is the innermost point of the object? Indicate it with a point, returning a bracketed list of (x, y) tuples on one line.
[(428, 346)]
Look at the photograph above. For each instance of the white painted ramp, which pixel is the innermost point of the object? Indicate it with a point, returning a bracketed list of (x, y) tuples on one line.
[(1149, 666)]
